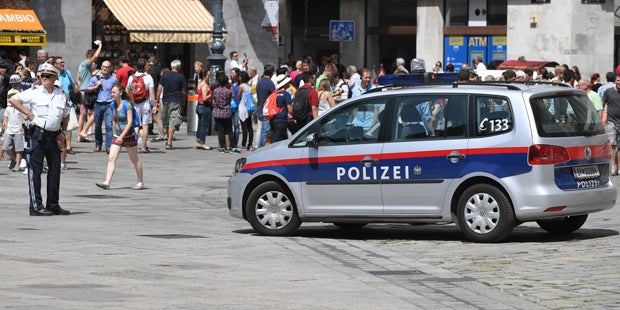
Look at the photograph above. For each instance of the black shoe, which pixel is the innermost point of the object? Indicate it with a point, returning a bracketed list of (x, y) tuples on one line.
[(41, 212), (59, 211)]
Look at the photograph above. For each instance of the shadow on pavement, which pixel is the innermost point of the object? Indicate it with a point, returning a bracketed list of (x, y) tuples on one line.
[(435, 232)]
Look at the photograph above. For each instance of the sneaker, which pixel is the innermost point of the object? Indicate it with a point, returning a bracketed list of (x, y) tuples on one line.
[(235, 151), (17, 169), (103, 186), (23, 164), (12, 164), (26, 171), (138, 186), (222, 150), (63, 166)]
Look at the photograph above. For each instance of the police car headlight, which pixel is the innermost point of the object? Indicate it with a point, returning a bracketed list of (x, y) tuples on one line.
[(239, 165)]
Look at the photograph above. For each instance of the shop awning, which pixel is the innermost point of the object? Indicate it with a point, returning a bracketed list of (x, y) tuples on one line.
[(19, 24), (166, 21), (520, 65)]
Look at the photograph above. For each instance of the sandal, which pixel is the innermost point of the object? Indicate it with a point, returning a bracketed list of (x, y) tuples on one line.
[(146, 150), (84, 139), (70, 151), (169, 147), (203, 147), (158, 139)]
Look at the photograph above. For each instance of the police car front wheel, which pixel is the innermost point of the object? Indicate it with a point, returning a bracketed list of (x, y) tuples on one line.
[(485, 214), (271, 211)]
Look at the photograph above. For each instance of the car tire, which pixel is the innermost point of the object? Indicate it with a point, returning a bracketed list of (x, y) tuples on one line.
[(342, 225), (563, 225), (485, 214), (271, 211)]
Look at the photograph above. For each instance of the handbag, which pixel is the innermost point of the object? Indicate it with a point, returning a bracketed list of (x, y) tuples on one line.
[(249, 103), (75, 96), (73, 121), (91, 97)]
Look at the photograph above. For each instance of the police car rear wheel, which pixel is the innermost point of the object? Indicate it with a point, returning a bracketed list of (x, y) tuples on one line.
[(271, 212), (563, 225), (485, 214)]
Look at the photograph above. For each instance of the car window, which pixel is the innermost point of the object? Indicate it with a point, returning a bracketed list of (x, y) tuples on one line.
[(357, 123), (429, 116), (566, 116), (493, 115)]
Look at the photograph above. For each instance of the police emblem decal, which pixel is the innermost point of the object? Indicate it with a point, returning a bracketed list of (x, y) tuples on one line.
[(588, 153), (417, 170)]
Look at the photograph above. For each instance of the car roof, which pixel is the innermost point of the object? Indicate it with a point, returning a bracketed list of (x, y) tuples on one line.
[(490, 87)]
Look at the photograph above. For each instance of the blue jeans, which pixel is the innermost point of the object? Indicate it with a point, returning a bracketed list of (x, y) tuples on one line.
[(204, 121), (103, 113), (264, 130)]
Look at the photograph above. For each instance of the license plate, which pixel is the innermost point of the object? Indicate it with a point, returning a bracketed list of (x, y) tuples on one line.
[(586, 172)]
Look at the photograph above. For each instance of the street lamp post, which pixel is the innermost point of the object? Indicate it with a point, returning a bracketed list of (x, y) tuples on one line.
[(217, 58)]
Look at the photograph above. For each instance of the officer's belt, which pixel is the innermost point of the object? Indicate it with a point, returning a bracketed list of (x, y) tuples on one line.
[(45, 131)]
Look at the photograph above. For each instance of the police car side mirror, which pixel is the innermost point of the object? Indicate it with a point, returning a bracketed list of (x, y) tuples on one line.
[(312, 140)]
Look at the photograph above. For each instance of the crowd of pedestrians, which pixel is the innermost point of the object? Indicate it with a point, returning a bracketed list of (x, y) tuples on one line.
[(119, 103)]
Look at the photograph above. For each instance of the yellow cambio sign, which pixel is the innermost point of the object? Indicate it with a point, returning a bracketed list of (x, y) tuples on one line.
[(22, 39), (19, 24)]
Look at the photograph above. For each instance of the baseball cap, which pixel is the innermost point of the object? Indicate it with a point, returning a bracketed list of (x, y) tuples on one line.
[(14, 79)]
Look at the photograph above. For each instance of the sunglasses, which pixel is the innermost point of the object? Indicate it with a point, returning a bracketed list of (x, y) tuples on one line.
[(46, 76)]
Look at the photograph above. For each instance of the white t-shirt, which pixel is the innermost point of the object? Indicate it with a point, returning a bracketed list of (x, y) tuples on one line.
[(148, 82)]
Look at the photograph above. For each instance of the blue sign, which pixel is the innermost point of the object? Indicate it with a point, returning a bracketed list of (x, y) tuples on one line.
[(341, 30)]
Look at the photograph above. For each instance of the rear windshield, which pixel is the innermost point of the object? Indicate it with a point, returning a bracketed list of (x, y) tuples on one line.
[(566, 116)]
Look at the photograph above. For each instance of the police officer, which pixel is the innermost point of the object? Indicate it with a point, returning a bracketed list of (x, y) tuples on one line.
[(48, 112)]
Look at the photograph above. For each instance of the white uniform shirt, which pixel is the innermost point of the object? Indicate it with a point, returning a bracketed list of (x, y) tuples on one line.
[(49, 109)]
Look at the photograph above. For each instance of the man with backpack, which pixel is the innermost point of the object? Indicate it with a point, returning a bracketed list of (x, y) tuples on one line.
[(279, 123), (305, 103), (141, 90)]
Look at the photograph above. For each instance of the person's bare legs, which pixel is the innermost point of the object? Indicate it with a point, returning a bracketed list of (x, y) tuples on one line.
[(115, 149), (133, 156)]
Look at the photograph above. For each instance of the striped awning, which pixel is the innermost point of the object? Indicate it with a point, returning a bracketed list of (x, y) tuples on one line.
[(166, 21)]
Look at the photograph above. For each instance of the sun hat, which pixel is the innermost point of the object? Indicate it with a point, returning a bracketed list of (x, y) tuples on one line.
[(282, 80)]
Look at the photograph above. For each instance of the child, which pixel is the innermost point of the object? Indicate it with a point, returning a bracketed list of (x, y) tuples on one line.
[(14, 132)]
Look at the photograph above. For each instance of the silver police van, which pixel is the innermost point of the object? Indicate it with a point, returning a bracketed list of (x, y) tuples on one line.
[(484, 156)]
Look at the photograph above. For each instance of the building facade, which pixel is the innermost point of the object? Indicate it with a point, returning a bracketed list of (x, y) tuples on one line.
[(568, 32), (581, 33)]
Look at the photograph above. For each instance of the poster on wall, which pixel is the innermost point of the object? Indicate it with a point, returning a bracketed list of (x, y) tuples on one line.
[(455, 51)]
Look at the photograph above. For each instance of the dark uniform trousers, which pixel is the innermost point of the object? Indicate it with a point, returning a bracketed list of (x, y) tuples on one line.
[(40, 148)]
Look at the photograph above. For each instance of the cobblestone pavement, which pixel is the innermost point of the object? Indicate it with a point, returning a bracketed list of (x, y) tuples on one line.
[(173, 246)]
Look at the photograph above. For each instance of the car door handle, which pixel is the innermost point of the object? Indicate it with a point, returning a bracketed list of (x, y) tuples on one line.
[(368, 161), (455, 157)]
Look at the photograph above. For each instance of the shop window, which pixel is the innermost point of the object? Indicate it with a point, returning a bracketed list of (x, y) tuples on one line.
[(497, 12), (398, 13), (455, 13), (320, 12)]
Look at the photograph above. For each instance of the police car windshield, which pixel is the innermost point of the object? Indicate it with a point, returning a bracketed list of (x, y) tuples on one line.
[(566, 116)]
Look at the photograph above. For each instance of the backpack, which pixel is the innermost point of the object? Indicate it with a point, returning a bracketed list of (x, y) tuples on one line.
[(138, 92), (136, 117), (270, 107), (301, 107)]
